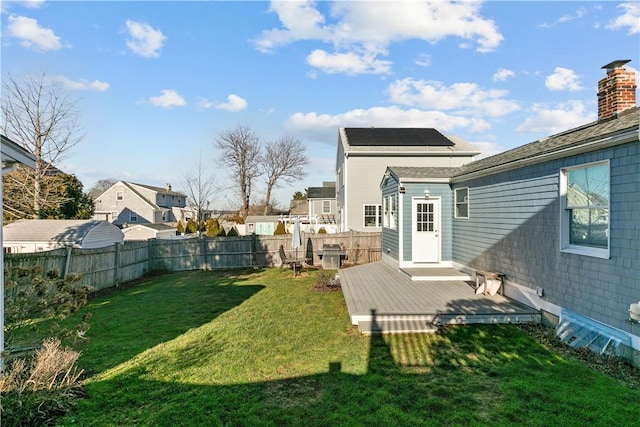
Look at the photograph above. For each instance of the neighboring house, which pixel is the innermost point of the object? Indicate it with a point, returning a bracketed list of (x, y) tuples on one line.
[(129, 203), (559, 217), (37, 235), (363, 155), (149, 231), (322, 203)]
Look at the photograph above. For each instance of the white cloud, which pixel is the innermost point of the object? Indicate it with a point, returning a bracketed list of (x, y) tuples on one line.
[(464, 98), (362, 31), (234, 103), (204, 103), (563, 79), (326, 124), (486, 148), (503, 74), (423, 60), (348, 63), (551, 120), (630, 18), (567, 18), (69, 84), (33, 4), (144, 40), (169, 98), (31, 34)]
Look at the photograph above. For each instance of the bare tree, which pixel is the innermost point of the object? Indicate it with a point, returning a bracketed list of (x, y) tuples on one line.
[(200, 187), (42, 118), (100, 187), (284, 162), (240, 151)]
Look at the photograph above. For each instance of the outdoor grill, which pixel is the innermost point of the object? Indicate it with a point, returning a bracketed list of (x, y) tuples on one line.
[(332, 256)]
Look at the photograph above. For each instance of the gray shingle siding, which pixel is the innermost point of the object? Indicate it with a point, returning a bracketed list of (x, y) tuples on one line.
[(514, 227)]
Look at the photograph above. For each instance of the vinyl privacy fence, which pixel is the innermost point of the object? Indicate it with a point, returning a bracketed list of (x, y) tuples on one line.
[(110, 266)]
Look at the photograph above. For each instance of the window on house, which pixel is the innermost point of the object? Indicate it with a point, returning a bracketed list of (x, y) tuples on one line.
[(326, 206), (393, 211), (133, 217), (372, 215), (114, 215), (119, 195), (462, 203), (584, 194), (385, 212)]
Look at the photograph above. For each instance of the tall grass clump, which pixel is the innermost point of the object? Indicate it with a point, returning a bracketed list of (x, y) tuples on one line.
[(38, 389)]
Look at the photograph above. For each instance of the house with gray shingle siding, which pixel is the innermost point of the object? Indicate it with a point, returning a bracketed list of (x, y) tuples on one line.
[(129, 203), (559, 217)]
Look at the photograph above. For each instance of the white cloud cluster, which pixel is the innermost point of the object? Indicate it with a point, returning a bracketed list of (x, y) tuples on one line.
[(234, 103), (563, 79), (169, 98), (362, 31), (144, 39), (32, 35), (69, 84), (629, 19), (549, 120), (503, 74), (463, 98)]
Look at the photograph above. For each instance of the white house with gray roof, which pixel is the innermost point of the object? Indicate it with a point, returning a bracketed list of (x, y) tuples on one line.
[(129, 203), (38, 235), (363, 155)]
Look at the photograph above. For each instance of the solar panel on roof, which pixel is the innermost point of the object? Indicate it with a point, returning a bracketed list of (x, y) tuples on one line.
[(397, 137)]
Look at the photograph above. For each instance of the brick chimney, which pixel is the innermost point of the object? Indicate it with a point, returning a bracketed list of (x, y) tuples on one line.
[(617, 91)]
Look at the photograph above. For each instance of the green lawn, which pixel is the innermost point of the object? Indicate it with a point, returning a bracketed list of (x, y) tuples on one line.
[(260, 348)]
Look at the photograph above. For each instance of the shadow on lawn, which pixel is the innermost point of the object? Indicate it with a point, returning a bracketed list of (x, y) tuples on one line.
[(410, 380), (179, 302)]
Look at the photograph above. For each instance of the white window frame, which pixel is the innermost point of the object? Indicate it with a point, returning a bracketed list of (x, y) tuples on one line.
[(465, 202), (565, 212), (393, 211), (386, 203), (133, 217), (326, 206), (119, 195), (378, 215)]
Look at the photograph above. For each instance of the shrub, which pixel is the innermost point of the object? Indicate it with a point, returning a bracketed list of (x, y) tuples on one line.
[(213, 227), (180, 228), (37, 390), (322, 230), (30, 295), (191, 226), (279, 229), (232, 232), (327, 281)]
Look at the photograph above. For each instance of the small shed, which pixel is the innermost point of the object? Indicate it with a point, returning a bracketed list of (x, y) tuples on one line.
[(261, 225), (37, 235), (149, 231)]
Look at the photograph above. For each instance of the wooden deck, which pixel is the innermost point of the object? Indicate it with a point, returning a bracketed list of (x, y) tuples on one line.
[(382, 299)]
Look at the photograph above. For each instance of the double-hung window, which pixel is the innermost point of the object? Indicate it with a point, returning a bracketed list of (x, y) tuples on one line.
[(462, 203), (326, 206), (584, 195), (393, 211), (372, 215)]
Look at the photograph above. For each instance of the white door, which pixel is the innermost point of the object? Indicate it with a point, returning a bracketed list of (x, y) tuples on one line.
[(425, 241)]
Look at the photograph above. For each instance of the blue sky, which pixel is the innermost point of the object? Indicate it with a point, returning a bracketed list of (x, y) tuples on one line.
[(157, 81)]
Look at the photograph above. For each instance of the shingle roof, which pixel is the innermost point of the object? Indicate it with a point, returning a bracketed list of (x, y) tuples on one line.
[(591, 132), (321, 193), (45, 230), (412, 172), (159, 190)]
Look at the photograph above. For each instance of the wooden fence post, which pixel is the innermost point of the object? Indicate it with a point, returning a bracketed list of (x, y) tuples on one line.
[(116, 269), (67, 262)]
